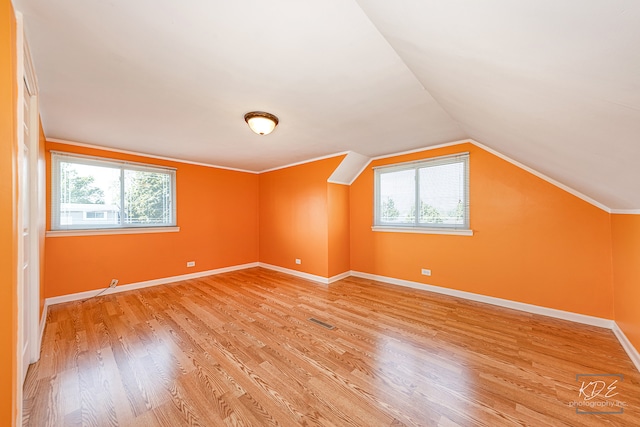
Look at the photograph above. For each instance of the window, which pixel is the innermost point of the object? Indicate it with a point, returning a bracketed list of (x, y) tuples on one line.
[(95, 193), (430, 194), (95, 215)]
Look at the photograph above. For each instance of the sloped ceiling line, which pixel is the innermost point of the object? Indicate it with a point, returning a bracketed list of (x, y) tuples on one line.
[(553, 85), (354, 164)]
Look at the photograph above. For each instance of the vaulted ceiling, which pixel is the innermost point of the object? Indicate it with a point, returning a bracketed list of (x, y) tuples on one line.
[(552, 84)]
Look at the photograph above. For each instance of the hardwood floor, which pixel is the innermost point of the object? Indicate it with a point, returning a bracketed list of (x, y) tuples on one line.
[(238, 349)]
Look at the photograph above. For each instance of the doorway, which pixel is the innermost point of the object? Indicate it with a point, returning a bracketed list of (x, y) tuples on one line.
[(30, 213)]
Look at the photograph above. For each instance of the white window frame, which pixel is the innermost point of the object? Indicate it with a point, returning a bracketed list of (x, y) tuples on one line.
[(59, 229), (417, 227)]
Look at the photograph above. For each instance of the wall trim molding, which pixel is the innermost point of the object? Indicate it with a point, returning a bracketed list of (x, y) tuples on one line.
[(301, 274), (415, 150), (506, 158), (43, 323), (515, 305), (302, 162), (145, 284), (166, 280), (427, 148), (150, 156), (625, 211), (628, 347), (631, 351), (633, 354), (190, 162), (339, 276), (542, 176)]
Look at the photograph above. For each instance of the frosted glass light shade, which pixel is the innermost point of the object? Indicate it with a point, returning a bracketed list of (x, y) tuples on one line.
[(260, 122)]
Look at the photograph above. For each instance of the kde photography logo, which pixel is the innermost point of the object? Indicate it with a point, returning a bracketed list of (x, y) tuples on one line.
[(599, 394)]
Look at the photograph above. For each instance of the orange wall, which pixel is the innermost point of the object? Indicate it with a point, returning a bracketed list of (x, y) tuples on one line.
[(338, 228), (218, 219), (625, 230), (293, 216), (8, 215), (532, 242)]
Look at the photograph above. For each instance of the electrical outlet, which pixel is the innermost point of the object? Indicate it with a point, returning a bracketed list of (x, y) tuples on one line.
[(298, 261), (114, 283), (191, 264), (426, 272)]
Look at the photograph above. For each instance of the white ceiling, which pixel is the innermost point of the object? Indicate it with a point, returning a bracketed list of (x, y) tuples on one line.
[(552, 84)]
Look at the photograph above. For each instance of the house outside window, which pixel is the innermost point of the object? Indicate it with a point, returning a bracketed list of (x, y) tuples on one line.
[(94, 193)]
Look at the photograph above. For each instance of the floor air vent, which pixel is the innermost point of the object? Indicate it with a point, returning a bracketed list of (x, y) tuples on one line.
[(321, 323)]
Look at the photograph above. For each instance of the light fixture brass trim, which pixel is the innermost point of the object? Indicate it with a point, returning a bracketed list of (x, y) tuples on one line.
[(261, 114)]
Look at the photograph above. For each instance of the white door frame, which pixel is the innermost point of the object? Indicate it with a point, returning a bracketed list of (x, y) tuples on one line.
[(37, 204), (29, 301)]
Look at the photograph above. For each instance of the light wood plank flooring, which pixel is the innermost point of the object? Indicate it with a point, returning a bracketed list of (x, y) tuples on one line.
[(238, 349)]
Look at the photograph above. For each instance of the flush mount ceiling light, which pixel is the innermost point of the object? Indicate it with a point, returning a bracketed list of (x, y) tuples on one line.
[(260, 122)]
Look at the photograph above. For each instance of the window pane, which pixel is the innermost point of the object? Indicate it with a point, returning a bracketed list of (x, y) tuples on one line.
[(91, 192), (426, 194), (397, 197), (442, 194), (147, 198), (86, 190)]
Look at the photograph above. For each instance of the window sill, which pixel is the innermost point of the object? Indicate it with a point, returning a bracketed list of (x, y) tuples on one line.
[(420, 230), (109, 231)]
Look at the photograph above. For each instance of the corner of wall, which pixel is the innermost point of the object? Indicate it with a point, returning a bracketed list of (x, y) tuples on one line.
[(625, 236)]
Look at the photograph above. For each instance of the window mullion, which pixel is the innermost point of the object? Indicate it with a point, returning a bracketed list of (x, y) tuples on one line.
[(122, 197), (417, 197)]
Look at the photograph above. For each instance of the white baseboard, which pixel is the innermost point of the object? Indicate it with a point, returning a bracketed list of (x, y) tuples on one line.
[(308, 276), (145, 284), (633, 353), (43, 322), (529, 308), (628, 347), (301, 274), (131, 286), (339, 276)]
